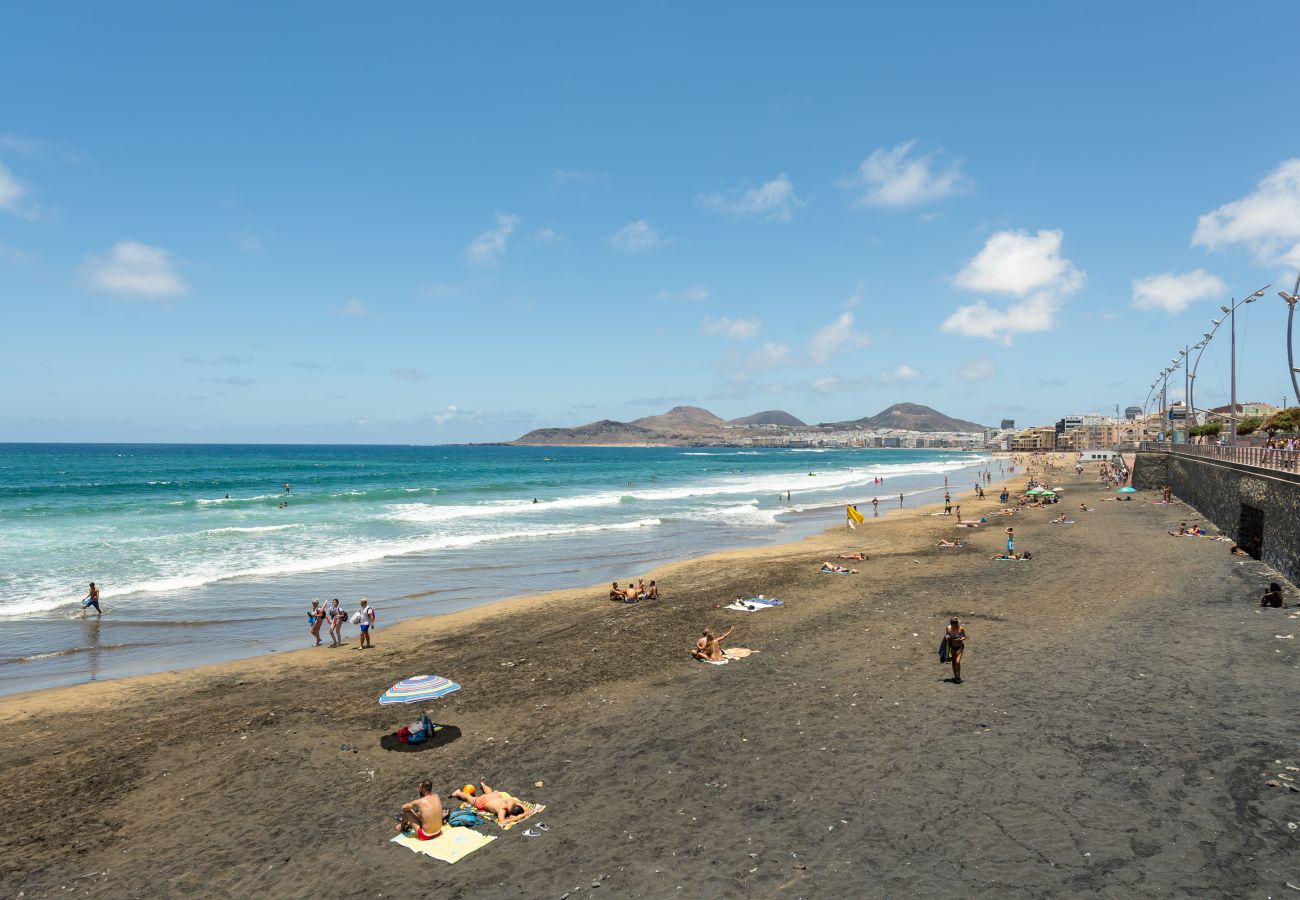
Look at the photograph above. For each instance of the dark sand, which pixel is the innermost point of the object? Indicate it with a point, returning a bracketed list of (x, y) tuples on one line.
[(1125, 703)]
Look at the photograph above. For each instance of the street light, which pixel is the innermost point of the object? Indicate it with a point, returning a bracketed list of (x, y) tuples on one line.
[(1291, 300)]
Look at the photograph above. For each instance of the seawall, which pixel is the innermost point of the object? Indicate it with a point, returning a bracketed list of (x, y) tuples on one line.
[(1258, 508)]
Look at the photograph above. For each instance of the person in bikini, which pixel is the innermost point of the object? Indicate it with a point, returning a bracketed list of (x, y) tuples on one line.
[(506, 808), (427, 810), (829, 566), (859, 556), (956, 637), (947, 543), (710, 647)]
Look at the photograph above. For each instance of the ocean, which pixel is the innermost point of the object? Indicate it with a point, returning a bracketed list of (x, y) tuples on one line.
[(203, 556)]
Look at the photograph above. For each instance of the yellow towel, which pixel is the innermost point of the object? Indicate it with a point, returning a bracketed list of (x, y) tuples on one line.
[(451, 846)]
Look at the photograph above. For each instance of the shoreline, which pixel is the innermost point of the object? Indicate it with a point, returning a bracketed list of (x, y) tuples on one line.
[(466, 617), (97, 659)]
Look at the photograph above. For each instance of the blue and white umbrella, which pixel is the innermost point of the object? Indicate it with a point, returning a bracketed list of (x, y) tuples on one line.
[(417, 689)]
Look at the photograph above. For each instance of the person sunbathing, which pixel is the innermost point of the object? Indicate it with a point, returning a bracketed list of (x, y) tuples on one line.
[(945, 543), (1025, 555), (652, 592), (1059, 520), (630, 595), (615, 592), (709, 647), (427, 810), (829, 566), (506, 808), (858, 556), (1182, 530)]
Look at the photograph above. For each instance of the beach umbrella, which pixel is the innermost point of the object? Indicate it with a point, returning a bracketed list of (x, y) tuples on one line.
[(1034, 491), (417, 689), (1049, 493), (1127, 490)]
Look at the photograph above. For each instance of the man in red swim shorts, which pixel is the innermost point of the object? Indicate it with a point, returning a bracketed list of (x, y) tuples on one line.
[(425, 811)]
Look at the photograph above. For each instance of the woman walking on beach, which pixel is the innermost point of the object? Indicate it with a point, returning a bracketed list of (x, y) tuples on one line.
[(336, 617), (315, 619), (956, 637)]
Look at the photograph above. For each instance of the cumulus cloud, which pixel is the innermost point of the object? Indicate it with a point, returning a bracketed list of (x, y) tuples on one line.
[(354, 307), (981, 369), (490, 246), (1174, 293), (636, 237), (1018, 264), (732, 328), (12, 190), (838, 335), (769, 356), (133, 269), (896, 178), (1267, 220), (772, 201), (904, 373), (446, 415)]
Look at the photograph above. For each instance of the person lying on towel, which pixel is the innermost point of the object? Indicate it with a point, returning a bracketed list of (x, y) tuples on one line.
[(839, 570), (507, 809), (427, 810), (859, 556), (710, 647)]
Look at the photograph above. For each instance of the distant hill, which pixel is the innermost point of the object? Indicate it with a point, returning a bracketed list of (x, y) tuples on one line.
[(770, 417), (681, 418), (606, 431), (911, 417)]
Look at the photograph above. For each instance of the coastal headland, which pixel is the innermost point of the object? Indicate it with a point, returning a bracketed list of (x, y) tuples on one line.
[(1126, 727)]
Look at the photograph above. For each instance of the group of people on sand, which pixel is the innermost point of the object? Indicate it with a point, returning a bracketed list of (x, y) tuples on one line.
[(634, 593), (335, 616), (425, 815)]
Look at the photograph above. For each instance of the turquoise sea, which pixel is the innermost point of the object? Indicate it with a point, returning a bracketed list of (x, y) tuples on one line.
[(202, 555)]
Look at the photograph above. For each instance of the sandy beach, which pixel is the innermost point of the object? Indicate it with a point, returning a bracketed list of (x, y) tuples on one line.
[(1125, 704)]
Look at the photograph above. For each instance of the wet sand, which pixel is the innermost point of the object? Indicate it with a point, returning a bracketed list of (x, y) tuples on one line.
[(1125, 703)]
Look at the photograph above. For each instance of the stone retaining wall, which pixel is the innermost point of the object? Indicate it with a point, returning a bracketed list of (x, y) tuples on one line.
[(1233, 497)]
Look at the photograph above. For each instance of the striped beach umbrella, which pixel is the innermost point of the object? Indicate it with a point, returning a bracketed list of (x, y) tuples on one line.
[(418, 688)]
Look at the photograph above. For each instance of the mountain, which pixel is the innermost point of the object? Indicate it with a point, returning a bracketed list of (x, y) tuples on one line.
[(911, 417), (606, 431), (770, 417), (681, 418)]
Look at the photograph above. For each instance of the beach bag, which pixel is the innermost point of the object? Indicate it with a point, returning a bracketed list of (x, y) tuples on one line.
[(404, 735), (417, 733), (463, 818)]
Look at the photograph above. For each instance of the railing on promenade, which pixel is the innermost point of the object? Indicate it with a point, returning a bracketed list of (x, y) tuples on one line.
[(1261, 457)]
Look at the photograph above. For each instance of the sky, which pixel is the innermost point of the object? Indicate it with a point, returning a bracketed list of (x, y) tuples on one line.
[(431, 223)]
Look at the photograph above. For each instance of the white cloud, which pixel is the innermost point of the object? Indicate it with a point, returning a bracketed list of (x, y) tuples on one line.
[(826, 384), (769, 356), (546, 235), (895, 178), (489, 246), (830, 339), (12, 190), (904, 373), (1017, 264), (1267, 220), (1174, 293), (636, 237), (134, 269), (354, 307), (696, 293), (732, 328), (772, 201), (981, 369), (445, 416)]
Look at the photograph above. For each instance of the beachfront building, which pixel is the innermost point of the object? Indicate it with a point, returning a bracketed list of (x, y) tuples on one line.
[(1034, 439), (1132, 412)]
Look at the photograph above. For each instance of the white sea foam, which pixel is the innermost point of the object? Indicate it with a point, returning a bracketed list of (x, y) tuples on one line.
[(251, 529)]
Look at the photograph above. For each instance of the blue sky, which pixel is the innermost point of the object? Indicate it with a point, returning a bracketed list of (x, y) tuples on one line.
[(419, 223)]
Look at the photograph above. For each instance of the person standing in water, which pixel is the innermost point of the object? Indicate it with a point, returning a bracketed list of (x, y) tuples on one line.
[(900, 501), (956, 637), (286, 487), (91, 599)]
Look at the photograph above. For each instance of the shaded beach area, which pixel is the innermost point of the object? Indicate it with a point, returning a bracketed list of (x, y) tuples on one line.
[(1125, 727)]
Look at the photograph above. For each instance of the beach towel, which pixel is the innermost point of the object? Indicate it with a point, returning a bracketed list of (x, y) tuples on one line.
[(1066, 522), (753, 604), (943, 649), (530, 810), (738, 652), (451, 846), (831, 572), (713, 662)]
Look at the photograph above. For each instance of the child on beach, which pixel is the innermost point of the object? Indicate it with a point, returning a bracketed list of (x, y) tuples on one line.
[(337, 617), (367, 622), (91, 599)]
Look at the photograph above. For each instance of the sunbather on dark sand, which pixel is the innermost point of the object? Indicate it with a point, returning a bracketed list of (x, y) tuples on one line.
[(858, 556), (710, 647), (947, 543), (829, 566), (615, 592), (506, 808), (425, 811)]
